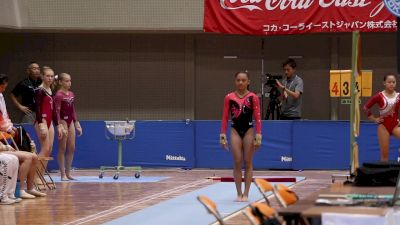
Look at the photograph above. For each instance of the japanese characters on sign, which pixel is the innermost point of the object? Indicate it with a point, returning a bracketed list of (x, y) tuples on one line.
[(275, 17)]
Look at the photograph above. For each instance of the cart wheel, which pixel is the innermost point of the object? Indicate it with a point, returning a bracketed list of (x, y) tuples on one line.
[(137, 175), (101, 175), (116, 177)]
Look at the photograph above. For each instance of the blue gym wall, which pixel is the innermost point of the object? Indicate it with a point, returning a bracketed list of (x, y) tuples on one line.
[(194, 144)]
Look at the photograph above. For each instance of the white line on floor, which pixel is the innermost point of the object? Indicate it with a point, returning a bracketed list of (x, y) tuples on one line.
[(133, 203)]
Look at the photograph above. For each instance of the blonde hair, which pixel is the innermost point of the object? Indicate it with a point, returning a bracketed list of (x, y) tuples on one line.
[(59, 78), (46, 68)]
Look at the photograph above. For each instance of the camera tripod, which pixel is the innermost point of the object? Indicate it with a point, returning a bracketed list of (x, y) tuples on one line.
[(274, 104)]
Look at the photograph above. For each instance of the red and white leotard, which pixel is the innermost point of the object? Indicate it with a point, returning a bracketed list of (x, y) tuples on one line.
[(44, 107), (64, 106), (242, 111), (388, 109)]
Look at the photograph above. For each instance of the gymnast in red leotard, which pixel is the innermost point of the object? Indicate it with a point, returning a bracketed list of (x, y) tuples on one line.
[(64, 105), (242, 105), (66, 116), (44, 101), (388, 101), (45, 114)]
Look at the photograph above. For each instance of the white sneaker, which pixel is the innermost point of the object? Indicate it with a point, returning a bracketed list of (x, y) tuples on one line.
[(6, 201), (17, 200), (25, 195), (36, 193)]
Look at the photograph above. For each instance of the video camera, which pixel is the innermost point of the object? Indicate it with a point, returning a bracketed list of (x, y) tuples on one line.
[(271, 79)]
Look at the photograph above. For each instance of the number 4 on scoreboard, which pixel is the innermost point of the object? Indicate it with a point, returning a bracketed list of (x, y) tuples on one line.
[(335, 88)]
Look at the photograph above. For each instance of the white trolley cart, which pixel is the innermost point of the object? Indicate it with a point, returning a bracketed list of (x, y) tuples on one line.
[(119, 131)]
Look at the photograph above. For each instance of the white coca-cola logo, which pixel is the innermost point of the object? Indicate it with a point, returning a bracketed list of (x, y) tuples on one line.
[(297, 4)]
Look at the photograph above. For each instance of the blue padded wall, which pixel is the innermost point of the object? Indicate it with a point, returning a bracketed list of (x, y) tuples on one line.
[(276, 145), (154, 141), (369, 145), (276, 149), (286, 145), (320, 145)]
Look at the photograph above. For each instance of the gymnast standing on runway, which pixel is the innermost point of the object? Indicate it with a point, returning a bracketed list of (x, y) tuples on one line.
[(388, 101), (45, 114), (66, 116), (242, 105)]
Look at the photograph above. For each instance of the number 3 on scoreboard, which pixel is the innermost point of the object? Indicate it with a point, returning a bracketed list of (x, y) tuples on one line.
[(346, 89)]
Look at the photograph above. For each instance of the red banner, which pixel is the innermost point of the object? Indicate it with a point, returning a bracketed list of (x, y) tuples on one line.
[(273, 17)]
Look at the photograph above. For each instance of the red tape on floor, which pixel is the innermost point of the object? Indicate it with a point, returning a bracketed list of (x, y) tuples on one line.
[(269, 179)]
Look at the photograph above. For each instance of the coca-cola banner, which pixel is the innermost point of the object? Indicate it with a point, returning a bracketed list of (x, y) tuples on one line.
[(273, 17)]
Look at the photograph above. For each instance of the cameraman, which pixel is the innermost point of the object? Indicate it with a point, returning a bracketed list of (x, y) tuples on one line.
[(292, 89)]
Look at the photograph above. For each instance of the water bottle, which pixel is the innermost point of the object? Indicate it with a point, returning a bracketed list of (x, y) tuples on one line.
[(17, 187), (398, 155)]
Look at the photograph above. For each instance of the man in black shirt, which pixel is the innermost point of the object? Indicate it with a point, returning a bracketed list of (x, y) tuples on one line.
[(26, 91)]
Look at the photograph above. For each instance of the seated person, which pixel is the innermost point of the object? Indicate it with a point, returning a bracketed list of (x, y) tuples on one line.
[(28, 161)]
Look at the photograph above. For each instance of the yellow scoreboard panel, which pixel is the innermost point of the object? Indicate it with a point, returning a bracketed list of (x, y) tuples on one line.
[(339, 83)]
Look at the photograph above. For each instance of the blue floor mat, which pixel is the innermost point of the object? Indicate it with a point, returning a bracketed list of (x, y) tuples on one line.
[(186, 209)]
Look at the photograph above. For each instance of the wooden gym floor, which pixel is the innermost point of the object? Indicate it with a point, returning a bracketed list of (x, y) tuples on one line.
[(96, 203)]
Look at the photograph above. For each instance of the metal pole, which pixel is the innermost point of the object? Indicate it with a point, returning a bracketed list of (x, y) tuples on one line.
[(119, 154), (398, 46), (334, 102), (262, 78), (354, 56)]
